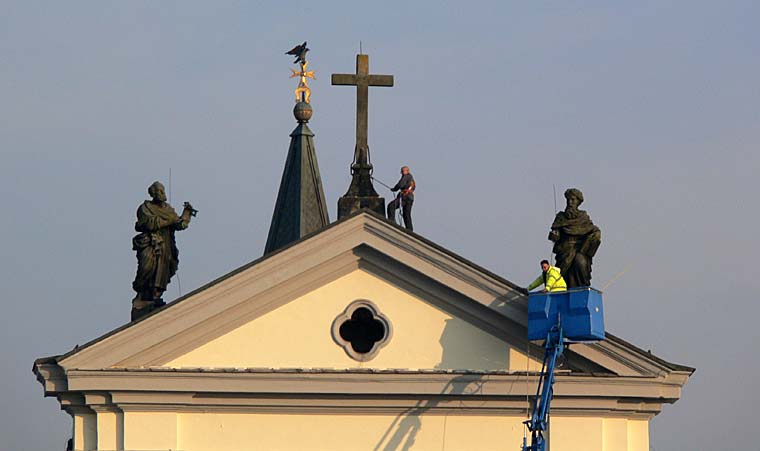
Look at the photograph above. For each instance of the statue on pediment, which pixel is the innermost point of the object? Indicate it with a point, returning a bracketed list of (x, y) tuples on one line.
[(576, 240), (157, 253)]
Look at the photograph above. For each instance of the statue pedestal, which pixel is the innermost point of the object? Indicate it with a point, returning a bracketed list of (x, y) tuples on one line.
[(142, 307)]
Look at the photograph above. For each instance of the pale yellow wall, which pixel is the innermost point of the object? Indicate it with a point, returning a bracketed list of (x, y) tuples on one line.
[(638, 435), (576, 434), (413, 430), (110, 430), (242, 432), (298, 335), (150, 431), (519, 361), (614, 434), (85, 432), (601, 434)]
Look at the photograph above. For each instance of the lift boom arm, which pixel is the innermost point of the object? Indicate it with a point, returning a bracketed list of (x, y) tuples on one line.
[(538, 422)]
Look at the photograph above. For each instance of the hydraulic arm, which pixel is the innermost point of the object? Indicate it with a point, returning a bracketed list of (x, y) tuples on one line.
[(561, 318), (538, 422)]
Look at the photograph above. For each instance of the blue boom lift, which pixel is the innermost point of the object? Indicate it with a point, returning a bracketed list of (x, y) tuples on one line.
[(559, 318)]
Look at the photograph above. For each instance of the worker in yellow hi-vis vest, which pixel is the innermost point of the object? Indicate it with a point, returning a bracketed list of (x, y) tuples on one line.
[(550, 277)]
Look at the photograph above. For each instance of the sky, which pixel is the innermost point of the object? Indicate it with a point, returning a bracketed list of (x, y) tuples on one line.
[(651, 108)]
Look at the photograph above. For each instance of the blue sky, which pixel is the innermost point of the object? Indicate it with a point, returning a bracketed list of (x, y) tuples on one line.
[(651, 108)]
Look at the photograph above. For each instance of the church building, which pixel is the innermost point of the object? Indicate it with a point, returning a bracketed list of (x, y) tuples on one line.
[(351, 335)]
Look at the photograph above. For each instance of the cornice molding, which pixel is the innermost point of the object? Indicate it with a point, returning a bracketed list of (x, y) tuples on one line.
[(285, 391)]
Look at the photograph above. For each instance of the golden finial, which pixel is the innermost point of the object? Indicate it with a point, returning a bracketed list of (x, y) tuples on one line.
[(303, 92)]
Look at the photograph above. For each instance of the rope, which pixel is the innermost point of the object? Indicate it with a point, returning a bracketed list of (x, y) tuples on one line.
[(179, 284), (378, 181), (527, 381), (399, 215), (617, 276)]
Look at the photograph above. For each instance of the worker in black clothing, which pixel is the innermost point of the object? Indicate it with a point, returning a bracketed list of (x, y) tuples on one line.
[(404, 199)]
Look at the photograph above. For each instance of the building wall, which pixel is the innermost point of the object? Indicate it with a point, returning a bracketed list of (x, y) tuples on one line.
[(86, 431), (298, 335), (413, 430), (604, 434)]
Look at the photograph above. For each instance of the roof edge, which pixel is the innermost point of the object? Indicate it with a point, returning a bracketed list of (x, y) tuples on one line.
[(646, 354)]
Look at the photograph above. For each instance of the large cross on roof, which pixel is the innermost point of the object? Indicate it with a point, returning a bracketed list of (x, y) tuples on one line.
[(361, 194), (362, 79)]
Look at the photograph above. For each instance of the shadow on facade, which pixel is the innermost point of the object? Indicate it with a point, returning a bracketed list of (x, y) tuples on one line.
[(503, 303), (461, 352), (402, 433)]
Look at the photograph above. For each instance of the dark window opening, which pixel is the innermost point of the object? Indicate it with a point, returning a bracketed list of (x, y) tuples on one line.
[(362, 330)]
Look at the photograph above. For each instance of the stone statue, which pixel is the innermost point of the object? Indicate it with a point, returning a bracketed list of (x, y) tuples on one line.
[(576, 240), (157, 254)]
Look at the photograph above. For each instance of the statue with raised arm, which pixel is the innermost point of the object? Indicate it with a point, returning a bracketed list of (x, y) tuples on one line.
[(576, 240), (157, 253)]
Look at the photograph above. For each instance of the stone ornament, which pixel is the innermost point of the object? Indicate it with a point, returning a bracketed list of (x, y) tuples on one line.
[(156, 248), (576, 240), (361, 330), (303, 92)]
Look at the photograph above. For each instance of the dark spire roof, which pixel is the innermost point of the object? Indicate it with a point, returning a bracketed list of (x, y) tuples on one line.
[(300, 207)]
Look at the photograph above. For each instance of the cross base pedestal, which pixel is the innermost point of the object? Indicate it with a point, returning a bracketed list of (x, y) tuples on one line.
[(361, 193), (350, 204)]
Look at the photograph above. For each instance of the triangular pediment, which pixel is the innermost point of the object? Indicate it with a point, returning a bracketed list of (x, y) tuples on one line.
[(445, 313), (419, 331)]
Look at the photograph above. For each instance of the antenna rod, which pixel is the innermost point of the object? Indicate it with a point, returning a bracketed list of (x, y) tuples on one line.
[(179, 284), (554, 190)]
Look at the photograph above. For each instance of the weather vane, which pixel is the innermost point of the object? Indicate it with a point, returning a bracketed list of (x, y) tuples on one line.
[(303, 93)]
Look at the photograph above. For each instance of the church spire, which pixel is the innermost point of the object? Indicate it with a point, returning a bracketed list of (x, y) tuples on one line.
[(300, 208)]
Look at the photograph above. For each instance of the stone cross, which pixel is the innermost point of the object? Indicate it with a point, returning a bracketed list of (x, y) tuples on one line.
[(362, 80)]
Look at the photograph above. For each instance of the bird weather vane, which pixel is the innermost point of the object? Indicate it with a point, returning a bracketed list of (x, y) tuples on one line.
[(303, 92)]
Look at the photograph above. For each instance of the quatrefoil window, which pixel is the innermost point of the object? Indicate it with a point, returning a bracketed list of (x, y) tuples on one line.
[(361, 330)]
